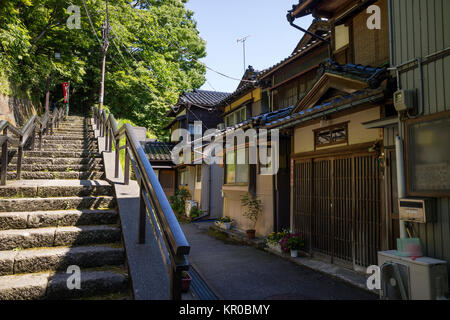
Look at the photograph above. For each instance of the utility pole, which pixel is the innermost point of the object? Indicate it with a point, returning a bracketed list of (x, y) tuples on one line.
[(105, 35), (243, 40)]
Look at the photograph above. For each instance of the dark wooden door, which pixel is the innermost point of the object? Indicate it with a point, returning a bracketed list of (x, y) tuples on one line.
[(322, 205), (167, 180), (302, 201), (337, 206), (282, 189)]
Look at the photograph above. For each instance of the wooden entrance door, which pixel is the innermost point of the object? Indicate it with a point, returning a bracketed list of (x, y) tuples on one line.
[(337, 206), (167, 180)]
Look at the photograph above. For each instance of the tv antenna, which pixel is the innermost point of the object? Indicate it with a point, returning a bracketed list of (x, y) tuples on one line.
[(243, 40)]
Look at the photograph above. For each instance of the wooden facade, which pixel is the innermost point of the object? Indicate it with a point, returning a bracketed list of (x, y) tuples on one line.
[(337, 186)]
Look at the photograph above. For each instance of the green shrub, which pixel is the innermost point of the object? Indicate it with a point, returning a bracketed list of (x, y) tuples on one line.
[(178, 201), (195, 212)]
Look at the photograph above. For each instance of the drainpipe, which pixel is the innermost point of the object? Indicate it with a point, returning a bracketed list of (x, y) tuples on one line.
[(400, 176)]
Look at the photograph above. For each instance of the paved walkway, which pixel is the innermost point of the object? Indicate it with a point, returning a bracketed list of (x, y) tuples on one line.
[(245, 273)]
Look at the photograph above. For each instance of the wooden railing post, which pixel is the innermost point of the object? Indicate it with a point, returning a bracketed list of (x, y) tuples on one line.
[(117, 158), (175, 283), (127, 163), (33, 138), (40, 137), (4, 168), (19, 159)]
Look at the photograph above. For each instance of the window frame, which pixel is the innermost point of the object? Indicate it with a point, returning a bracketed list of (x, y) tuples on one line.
[(343, 125), (235, 150), (198, 170), (182, 174), (234, 114), (408, 160)]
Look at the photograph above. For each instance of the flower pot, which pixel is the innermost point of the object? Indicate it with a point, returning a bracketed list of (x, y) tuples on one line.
[(275, 247), (186, 283), (226, 225), (294, 253), (251, 234)]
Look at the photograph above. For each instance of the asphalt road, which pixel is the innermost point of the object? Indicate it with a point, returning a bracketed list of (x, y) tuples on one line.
[(237, 272)]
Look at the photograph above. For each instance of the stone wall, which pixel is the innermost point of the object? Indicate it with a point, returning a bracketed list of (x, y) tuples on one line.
[(17, 111)]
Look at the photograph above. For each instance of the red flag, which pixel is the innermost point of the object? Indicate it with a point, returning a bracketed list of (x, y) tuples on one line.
[(66, 91)]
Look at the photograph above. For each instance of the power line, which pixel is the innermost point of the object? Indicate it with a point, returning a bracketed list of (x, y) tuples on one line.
[(182, 52), (92, 25)]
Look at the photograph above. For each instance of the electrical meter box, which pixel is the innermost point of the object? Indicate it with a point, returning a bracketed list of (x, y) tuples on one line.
[(405, 100), (419, 210)]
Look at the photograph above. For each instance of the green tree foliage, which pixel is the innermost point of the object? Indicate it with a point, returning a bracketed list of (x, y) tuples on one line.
[(152, 57)]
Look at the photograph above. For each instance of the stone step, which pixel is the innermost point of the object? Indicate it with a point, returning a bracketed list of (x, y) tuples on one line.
[(68, 129), (57, 161), (72, 128), (53, 204), (55, 188), (73, 148), (72, 175), (17, 239), (54, 285), (62, 218), (59, 259), (68, 137), (69, 143), (62, 154), (58, 167)]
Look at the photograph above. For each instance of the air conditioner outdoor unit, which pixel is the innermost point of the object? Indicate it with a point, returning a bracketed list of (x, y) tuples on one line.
[(407, 279)]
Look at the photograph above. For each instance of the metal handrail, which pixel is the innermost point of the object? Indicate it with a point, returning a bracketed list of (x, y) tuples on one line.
[(25, 134), (153, 201)]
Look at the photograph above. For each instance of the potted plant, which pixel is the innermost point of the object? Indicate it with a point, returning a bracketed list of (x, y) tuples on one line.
[(185, 282), (224, 223), (253, 209), (178, 201), (292, 243), (273, 240)]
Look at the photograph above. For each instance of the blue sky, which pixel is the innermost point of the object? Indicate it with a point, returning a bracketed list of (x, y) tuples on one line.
[(222, 22)]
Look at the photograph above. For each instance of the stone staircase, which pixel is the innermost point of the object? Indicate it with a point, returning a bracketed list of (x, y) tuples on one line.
[(60, 214)]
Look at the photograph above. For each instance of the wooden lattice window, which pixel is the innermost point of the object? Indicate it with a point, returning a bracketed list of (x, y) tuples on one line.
[(336, 134)]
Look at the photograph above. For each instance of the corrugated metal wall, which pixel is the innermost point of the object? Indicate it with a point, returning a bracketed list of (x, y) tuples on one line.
[(422, 28)]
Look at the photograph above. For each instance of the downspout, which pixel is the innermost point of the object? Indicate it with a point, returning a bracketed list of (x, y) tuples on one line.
[(399, 146), (398, 139), (400, 176), (291, 20)]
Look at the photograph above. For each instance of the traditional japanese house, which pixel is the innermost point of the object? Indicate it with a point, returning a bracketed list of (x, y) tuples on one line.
[(159, 155), (336, 163), (200, 179), (284, 83), (249, 107)]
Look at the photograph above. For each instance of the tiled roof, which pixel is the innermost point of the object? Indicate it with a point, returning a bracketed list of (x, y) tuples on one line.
[(373, 76), (244, 86), (202, 98), (348, 101), (306, 5), (294, 55), (158, 151)]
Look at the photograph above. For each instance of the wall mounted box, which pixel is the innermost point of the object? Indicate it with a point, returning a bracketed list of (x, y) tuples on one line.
[(405, 100), (419, 210)]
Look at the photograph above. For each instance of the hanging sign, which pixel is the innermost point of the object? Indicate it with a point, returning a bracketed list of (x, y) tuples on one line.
[(66, 91)]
